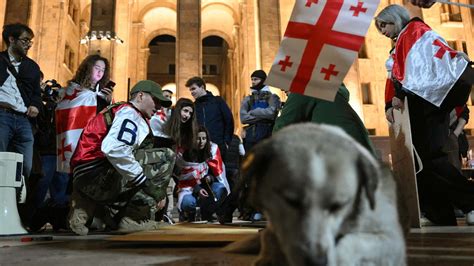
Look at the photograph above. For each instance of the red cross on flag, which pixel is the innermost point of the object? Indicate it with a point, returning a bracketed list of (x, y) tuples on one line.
[(72, 115), (425, 64), (321, 41)]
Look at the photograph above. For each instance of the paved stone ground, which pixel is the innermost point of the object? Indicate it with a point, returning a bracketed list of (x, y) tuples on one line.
[(430, 245)]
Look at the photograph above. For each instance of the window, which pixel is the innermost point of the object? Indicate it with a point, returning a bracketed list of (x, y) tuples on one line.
[(171, 69), (204, 70), (366, 93), (451, 12), (73, 11), (453, 44), (464, 47), (69, 57), (363, 51), (372, 131), (212, 69)]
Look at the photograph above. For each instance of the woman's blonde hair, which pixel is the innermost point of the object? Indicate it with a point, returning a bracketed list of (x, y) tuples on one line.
[(395, 14)]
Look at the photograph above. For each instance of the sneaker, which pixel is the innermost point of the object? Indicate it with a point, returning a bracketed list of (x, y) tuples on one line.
[(470, 218), (127, 224), (77, 221), (257, 217)]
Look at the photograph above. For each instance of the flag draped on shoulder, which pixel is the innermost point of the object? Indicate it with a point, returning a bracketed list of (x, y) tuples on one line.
[(320, 43), (72, 114), (424, 63)]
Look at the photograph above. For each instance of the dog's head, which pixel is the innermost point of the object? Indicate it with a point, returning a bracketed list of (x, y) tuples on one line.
[(310, 180)]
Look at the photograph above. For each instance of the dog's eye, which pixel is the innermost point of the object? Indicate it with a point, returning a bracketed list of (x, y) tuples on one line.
[(334, 207), (293, 202)]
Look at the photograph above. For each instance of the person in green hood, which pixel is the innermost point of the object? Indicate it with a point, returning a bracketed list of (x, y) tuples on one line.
[(301, 108)]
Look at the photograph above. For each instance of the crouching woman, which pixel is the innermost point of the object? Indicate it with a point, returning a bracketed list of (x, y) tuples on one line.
[(201, 179)]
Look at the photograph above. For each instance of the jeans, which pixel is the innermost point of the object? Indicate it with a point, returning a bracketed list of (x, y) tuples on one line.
[(207, 205), (16, 135), (53, 180)]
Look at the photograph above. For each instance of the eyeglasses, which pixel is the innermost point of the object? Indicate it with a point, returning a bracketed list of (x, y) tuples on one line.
[(26, 41)]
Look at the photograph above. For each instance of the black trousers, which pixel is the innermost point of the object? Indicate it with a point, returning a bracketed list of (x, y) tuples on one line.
[(441, 186)]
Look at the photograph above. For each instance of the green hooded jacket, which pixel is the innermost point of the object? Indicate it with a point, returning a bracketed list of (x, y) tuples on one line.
[(300, 108)]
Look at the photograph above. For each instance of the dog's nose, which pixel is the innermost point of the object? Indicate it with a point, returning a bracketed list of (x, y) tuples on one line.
[(316, 261)]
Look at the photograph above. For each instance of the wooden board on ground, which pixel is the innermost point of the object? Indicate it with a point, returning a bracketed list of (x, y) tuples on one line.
[(403, 162), (190, 233)]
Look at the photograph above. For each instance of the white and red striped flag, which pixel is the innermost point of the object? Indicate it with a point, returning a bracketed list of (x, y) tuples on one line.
[(425, 64), (321, 41), (72, 114)]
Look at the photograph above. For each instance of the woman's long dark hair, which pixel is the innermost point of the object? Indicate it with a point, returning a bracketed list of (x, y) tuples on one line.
[(83, 73), (199, 155), (183, 134)]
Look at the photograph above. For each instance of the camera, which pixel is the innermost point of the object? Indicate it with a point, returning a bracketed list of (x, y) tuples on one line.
[(50, 91)]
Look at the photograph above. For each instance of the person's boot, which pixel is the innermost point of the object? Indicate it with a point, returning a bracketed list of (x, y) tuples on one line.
[(127, 224), (78, 220)]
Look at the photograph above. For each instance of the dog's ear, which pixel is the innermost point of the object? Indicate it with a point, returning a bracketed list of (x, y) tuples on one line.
[(369, 174), (253, 169)]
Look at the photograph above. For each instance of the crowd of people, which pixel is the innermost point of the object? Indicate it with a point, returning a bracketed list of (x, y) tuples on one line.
[(92, 163)]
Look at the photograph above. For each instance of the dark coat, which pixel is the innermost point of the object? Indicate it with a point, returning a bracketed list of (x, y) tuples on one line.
[(29, 73), (214, 113)]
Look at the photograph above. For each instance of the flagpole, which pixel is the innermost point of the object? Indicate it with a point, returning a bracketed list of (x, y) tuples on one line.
[(454, 3)]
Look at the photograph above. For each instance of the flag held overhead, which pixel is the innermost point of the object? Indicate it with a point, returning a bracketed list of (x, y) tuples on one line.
[(320, 43)]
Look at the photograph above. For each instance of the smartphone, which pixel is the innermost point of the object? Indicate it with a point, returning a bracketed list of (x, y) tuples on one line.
[(110, 85)]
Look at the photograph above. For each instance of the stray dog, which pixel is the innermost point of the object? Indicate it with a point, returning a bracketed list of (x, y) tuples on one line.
[(328, 201)]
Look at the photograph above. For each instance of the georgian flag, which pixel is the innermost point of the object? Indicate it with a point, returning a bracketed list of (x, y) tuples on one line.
[(192, 172), (425, 64), (72, 114), (321, 41)]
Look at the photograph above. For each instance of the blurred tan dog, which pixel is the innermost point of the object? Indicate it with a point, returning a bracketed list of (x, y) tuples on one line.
[(328, 201)]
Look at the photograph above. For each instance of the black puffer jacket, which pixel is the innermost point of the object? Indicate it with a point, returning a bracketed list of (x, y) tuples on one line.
[(214, 113)]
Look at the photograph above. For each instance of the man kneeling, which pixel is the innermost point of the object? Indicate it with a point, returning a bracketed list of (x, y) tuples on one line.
[(107, 173)]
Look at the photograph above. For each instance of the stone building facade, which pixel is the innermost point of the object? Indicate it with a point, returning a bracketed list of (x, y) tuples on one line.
[(223, 40)]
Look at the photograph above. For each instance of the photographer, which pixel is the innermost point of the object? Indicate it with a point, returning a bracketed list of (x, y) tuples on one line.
[(55, 209)]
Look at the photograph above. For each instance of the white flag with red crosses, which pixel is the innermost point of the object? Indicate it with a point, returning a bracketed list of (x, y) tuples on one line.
[(425, 64), (72, 115), (321, 41)]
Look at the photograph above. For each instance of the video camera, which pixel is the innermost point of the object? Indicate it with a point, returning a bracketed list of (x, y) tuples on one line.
[(50, 91)]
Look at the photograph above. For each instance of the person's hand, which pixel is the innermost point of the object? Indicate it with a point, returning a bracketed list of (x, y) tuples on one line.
[(457, 132), (108, 94), (203, 193), (161, 204), (32, 111), (389, 115), (397, 103), (423, 3), (208, 179)]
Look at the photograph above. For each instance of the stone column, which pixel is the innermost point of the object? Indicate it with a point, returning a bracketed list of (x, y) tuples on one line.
[(48, 43), (120, 57), (134, 52), (188, 44), (269, 19), (3, 8)]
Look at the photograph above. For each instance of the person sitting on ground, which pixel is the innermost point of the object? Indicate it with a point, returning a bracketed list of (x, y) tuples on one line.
[(105, 170), (202, 180)]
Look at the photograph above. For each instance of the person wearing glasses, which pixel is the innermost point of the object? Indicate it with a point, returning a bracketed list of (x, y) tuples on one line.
[(20, 93)]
